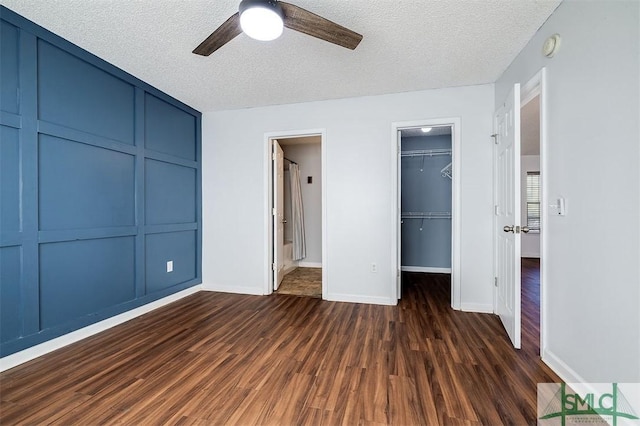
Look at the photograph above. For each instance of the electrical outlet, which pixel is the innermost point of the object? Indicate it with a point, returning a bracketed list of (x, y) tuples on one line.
[(374, 268), (170, 266)]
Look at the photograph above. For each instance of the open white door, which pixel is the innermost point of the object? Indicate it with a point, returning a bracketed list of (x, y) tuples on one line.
[(507, 214), (278, 214)]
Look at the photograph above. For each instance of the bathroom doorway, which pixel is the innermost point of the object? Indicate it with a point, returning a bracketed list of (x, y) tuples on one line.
[(296, 213)]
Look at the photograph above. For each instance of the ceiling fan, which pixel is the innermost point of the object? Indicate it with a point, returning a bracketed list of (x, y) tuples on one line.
[(264, 20)]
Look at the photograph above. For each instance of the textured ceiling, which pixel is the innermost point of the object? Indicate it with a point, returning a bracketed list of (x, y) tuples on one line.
[(407, 45)]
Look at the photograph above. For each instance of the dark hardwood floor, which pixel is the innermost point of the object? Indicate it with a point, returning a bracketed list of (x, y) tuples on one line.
[(215, 358)]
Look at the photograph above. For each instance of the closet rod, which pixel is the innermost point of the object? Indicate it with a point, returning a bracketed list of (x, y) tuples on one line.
[(292, 162), (425, 152), (425, 215)]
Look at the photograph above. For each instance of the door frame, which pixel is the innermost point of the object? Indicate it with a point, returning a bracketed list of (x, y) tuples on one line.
[(537, 86), (455, 123), (268, 202)]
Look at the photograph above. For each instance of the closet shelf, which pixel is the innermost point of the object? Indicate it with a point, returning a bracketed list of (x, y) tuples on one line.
[(425, 215), (425, 153)]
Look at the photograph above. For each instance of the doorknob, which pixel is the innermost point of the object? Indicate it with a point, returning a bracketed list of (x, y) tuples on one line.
[(508, 228), (525, 229)]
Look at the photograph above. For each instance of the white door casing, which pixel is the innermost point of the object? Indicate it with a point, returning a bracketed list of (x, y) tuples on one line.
[(396, 234), (278, 214), (399, 225), (507, 215)]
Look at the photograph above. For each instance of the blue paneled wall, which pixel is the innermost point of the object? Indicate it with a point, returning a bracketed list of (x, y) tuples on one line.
[(100, 177)]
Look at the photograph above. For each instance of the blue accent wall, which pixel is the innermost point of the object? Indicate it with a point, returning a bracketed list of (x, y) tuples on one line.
[(424, 189), (101, 187)]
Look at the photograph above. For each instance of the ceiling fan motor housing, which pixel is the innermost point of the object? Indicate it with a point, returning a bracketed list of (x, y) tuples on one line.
[(261, 19), (267, 4)]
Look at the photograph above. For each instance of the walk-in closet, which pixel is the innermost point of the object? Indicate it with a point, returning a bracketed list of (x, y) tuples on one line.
[(426, 185)]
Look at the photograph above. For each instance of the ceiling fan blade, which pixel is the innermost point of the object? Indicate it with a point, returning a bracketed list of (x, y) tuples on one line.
[(224, 34), (299, 19)]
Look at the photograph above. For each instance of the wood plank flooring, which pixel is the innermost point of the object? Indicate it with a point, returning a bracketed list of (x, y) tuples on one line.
[(216, 358)]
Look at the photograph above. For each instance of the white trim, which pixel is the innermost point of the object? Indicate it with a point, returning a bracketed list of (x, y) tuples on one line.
[(561, 368), (33, 352), (356, 298), (221, 288), (537, 86), (576, 382), (530, 255), (309, 264), (455, 123), (268, 191), (426, 269), (483, 308), (289, 268)]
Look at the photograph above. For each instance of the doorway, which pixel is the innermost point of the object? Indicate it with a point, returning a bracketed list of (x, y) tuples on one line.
[(426, 192), (531, 178), (295, 211), (521, 208)]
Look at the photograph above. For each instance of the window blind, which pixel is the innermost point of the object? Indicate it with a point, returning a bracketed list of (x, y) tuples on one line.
[(533, 201)]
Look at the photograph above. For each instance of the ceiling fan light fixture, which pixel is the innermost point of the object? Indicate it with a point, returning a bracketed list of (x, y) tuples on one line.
[(261, 19)]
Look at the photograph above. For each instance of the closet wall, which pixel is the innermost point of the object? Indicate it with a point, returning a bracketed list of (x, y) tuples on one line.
[(426, 204)]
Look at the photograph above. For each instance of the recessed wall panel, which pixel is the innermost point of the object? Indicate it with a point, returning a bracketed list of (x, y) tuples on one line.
[(169, 129), (83, 186), (177, 247), (79, 278), (10, 200), (76, 94), (170, 193), (9, 36), (10, 293)]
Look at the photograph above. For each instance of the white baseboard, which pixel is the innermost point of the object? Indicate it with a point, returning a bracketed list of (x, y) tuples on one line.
[(561, 368), (34, 352), (354, 298), (289, 268), (253, 291), (309, 264), (531, 255), (477, 307), (426, 269)]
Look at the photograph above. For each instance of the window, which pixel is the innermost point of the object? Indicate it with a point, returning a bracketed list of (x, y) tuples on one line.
[(533, 201)]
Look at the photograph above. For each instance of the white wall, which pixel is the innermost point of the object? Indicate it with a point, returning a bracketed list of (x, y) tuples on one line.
[(358, 175), (530, 243), (308, 157), (593, 157)]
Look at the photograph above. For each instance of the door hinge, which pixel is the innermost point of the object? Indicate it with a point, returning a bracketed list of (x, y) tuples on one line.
[(495, 138), (496, 210), (274, 156), (495, 281), (273, 266), (273, 212)]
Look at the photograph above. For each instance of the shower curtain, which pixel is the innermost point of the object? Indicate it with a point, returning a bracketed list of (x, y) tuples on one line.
[(297, 214)]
